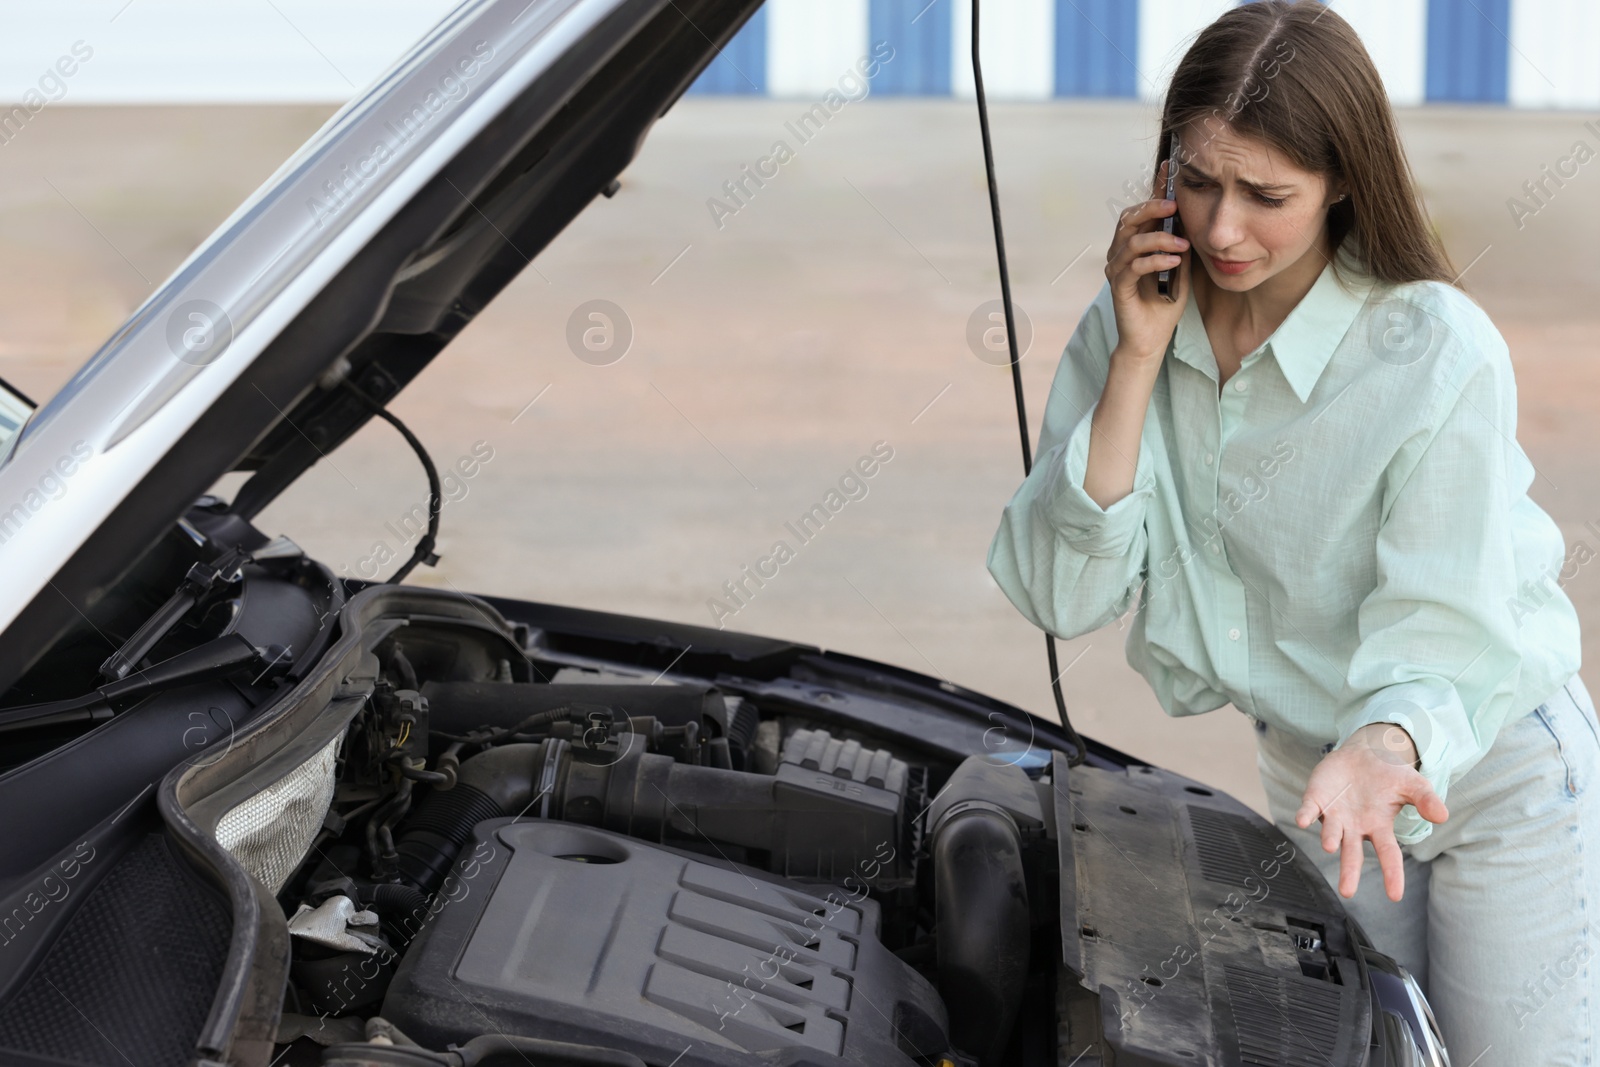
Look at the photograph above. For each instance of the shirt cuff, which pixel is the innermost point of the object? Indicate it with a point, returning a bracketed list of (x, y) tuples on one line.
[(1089, 528), (1440, 731)]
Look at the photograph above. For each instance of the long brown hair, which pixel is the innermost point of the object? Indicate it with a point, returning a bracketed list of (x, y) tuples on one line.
[(1296, 77)]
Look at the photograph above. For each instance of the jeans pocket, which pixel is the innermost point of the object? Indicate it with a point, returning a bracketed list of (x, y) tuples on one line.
[(1585, 704), (1576, 742)]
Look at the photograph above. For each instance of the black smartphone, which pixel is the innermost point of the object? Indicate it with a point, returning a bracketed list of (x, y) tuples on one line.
[(1164, 278)]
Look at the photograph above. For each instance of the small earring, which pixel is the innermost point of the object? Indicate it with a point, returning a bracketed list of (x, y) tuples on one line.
[(1343, 195)]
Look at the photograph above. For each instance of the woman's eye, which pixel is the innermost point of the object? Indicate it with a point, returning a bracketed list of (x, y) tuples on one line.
[(1266, 201)]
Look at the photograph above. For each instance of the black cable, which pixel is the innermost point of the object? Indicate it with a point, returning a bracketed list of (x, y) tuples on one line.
[(424, 551), (1080, 750), (487, 735)]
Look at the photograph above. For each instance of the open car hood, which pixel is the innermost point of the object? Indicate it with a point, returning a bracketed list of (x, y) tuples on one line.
[(362, 257)]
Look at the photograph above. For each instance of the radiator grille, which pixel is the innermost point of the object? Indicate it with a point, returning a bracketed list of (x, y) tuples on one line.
[(1231, 848), (1282, 1022)]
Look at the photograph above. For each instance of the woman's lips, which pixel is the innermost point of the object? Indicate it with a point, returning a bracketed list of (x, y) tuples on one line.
[(1225, 266)]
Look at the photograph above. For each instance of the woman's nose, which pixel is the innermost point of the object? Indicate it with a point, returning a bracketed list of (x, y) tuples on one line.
[(1222, 228)]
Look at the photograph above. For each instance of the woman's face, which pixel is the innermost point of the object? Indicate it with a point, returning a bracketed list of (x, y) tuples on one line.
[(1244, 203)]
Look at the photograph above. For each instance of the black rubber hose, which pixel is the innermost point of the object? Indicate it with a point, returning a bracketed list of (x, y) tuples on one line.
[(982, 902), (643, 795), (489, 785), (380, 826), (458, 707), (528, 725), (402, 908), (392, 896), (401, 667), (736, 807), (629, 797)]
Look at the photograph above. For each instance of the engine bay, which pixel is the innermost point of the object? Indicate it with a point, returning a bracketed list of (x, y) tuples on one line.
[(608, 858), (321, 822)]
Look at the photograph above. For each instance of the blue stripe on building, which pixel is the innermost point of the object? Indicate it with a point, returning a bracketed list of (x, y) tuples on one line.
[(920, 33), (742, 65), (1468, 57), (1097, 45)]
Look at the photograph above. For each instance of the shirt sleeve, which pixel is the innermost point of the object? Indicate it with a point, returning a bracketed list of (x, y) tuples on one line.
[(1438, 652), (1069, 565)]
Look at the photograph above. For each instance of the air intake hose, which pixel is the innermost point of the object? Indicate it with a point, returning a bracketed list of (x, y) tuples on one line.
[(981, 897), (629, 796), (799, 817), (491, 784)]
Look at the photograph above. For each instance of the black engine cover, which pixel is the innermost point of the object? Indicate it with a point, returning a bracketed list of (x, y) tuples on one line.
[(575, 934)]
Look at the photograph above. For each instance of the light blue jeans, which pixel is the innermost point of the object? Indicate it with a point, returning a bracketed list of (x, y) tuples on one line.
[(1500, 920)]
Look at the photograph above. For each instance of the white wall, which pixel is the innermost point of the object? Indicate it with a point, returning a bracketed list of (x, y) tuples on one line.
[(811, 43), (1018, 50), (1553, 59), (192, 51), (1395, 33), (1166, 30)]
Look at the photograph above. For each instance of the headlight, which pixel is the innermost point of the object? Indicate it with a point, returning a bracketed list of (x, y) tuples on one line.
[(1401, 1013), (1431, 1039), (271, 832)]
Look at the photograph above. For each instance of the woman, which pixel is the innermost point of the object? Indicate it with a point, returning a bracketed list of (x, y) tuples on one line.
[(1308, 462)]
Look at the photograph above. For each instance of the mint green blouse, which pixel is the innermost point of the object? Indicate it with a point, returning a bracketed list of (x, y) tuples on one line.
[(1343, 536)]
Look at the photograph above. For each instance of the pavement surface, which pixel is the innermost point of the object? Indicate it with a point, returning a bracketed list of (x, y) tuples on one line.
[(774, 343)]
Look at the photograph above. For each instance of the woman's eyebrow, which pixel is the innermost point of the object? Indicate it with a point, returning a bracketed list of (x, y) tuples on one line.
[(1260, 187)]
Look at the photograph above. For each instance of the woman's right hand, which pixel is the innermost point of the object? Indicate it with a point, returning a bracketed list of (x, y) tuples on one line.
[(1140, 248)]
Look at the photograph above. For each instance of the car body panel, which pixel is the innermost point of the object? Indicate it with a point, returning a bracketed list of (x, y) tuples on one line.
[(302, 279)]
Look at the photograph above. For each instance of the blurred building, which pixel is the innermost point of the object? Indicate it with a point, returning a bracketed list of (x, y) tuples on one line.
[(1522, 53), (1518, 53)]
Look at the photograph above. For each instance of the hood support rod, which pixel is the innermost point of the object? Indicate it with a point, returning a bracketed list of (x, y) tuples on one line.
[(1080, 750)]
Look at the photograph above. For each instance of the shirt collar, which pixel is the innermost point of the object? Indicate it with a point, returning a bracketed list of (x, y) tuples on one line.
[(1305, 340)]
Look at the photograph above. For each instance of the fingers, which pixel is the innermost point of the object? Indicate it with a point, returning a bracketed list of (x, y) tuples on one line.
[(1144, 252), (1392, 862), (1150, 264), (1143, 213), (1346, 833), (1356, 794), (1307, 814), (1156, 241), (1422, 797), (1139, 234), (1350, 858)]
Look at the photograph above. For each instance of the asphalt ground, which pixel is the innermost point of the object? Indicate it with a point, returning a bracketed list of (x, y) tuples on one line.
[(776, 342)]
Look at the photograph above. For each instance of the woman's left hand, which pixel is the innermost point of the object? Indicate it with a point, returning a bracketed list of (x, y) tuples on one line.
[(1358, 790)]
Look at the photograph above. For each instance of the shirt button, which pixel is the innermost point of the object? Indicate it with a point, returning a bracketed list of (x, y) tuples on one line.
[(1216, 549), (1209, 458), (1233, 634), (1239, 385)]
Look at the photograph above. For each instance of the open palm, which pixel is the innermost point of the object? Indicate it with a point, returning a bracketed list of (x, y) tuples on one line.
[(1357, 790)]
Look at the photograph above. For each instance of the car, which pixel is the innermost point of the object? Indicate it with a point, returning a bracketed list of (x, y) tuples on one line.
[(258, 812)]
